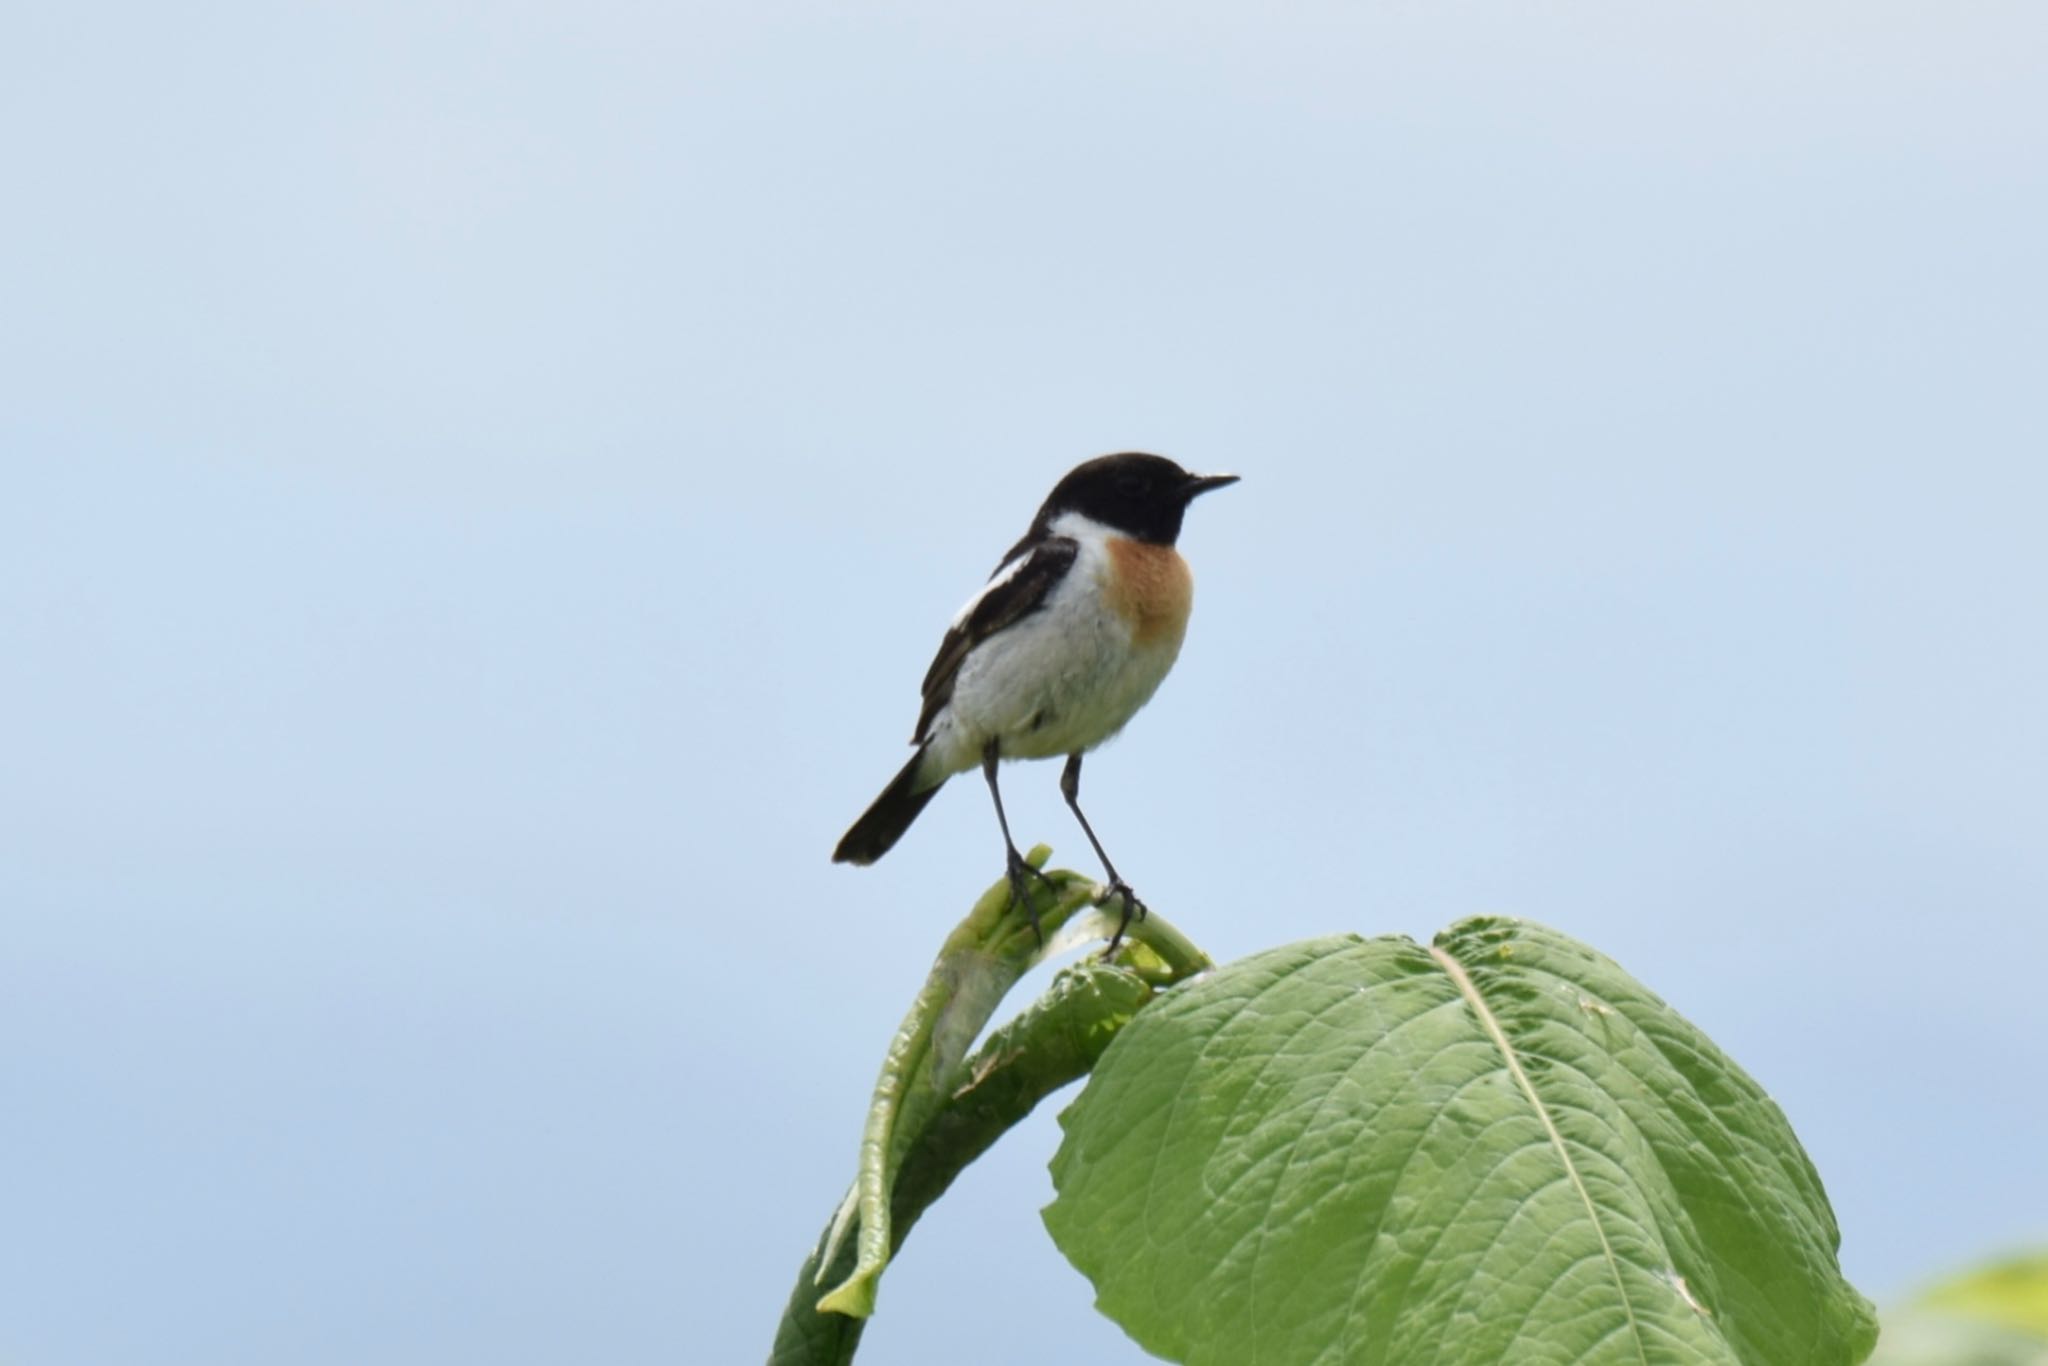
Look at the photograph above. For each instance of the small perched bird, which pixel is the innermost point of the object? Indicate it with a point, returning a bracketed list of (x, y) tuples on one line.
[(1068, 638)]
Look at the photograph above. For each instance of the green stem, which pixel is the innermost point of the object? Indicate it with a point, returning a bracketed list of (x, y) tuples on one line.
[(1175, 950), (981, 960), (934, 1110), (1055, 1042)]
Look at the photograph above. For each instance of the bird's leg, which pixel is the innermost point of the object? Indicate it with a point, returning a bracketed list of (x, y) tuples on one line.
[(1015, 869), (1070, 787)]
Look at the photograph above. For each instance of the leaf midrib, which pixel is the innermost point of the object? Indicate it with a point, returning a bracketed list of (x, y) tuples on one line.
[(1491, 1023)]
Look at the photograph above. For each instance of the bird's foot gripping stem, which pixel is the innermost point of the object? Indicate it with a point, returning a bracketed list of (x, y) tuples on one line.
[(1017, 871), (1121, 890)]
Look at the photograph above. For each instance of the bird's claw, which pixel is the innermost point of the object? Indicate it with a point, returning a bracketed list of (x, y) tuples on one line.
[(1118, 888), (1017, 870)]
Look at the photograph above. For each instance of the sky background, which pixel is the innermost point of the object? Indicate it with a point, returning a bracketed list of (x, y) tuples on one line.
[(482, 484)]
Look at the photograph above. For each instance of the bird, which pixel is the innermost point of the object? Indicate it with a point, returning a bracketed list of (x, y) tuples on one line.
[(1073, 632)]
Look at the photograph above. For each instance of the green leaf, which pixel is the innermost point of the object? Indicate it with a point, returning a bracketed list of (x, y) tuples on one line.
[(934, 1109), (1056, 1039), (2013, 1292), (980, 961), (1497, 1149), (1997, 1316)]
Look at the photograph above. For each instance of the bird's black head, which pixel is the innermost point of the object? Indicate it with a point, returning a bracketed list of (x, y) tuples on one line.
[(1143, 496)]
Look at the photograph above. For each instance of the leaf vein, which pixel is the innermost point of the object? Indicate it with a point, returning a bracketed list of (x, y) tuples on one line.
[(1491, 1022)]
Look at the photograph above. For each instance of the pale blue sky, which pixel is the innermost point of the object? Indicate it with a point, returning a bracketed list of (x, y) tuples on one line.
[(483, 483)]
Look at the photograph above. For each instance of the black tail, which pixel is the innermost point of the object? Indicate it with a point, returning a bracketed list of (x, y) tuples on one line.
[(884, 822)]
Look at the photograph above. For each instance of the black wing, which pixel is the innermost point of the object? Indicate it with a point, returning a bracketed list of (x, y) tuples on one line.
[(1023, 592)]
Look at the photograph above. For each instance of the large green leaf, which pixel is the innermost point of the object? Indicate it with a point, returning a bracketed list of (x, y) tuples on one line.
[(1500, 1148), (1996, 1316)]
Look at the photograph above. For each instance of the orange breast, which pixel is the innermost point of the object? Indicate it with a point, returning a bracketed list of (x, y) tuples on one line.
[(1150, 588)]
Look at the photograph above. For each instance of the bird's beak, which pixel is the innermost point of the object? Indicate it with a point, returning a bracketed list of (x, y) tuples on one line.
[(1199, 484)]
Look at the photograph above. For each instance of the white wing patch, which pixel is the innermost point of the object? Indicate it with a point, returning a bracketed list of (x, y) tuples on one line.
[(996, 580)]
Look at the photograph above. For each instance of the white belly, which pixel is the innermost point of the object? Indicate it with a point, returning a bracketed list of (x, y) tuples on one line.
[(1062, 680)]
